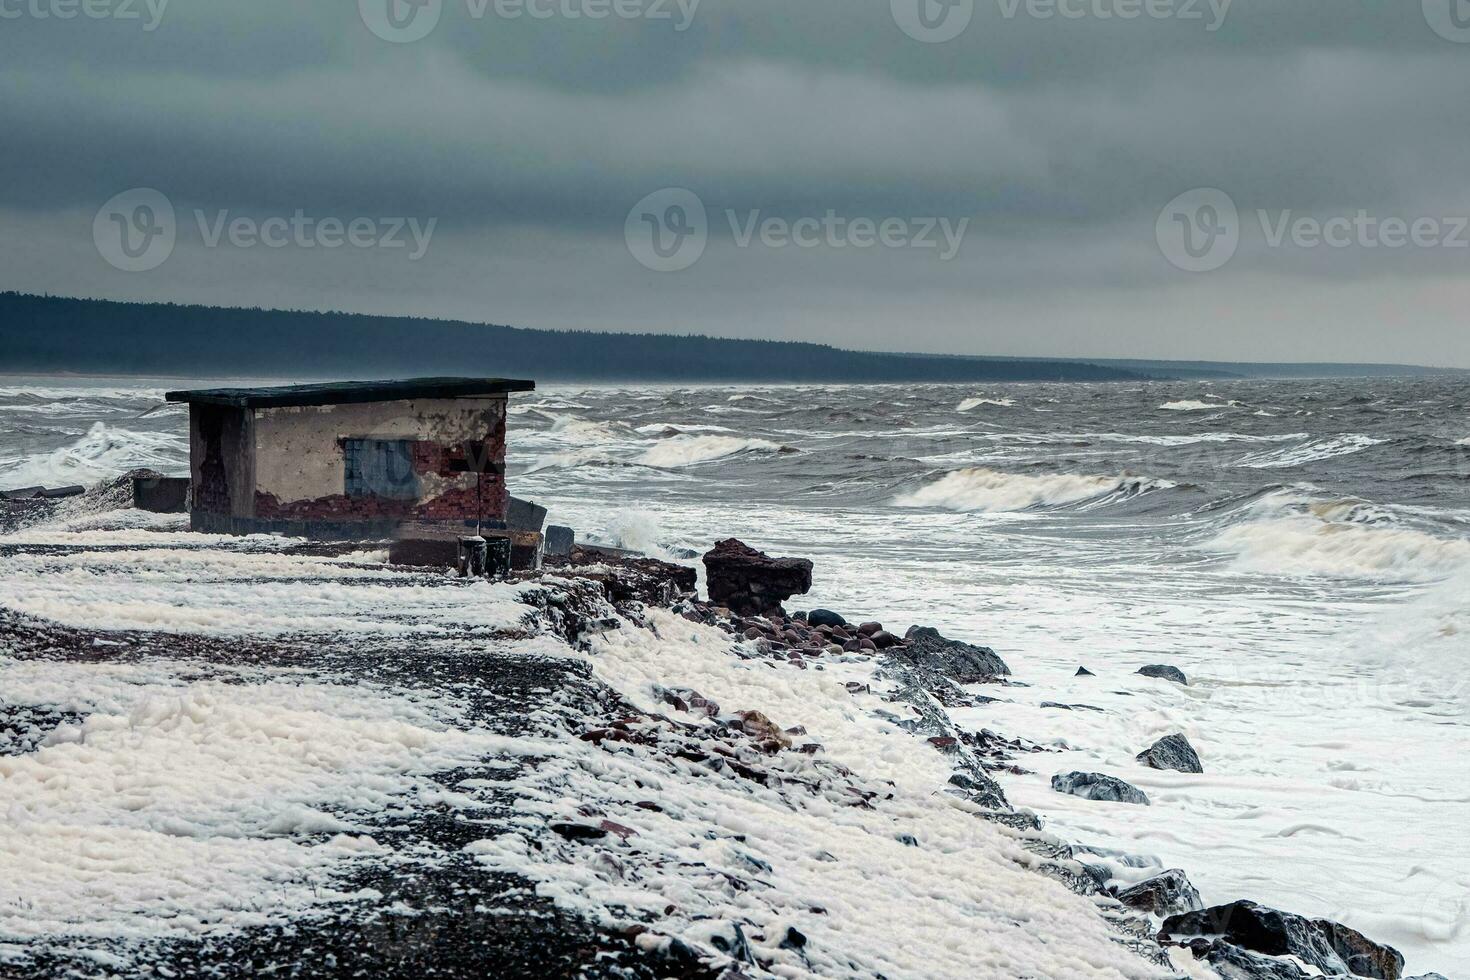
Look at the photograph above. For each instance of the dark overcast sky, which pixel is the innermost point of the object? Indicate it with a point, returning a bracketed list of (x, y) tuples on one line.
[(1060, 139)]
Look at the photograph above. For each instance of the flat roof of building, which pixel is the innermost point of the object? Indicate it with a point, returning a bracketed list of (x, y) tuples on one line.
[(351, 392)]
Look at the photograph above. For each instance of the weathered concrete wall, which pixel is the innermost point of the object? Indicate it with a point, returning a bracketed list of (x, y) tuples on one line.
[(458, 457), (221, 460)]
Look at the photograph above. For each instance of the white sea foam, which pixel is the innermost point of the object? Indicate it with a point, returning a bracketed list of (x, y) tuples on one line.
[(987, 490), (183, 807), (176, 591), (637, 530), (686, 450), (105, 451), (963, 887)]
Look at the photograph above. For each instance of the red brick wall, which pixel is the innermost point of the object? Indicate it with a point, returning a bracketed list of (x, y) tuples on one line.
[(473, 495)]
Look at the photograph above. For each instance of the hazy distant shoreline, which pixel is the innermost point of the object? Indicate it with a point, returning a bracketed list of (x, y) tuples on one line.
[(103, 338)]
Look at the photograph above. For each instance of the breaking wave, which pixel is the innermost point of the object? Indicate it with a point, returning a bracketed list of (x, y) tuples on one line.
[(1190, 405), (686, 450), (104, 452), (1341, 548), (1309, 452), (1288, 532), (580, 431), (992, 491), (970, 404)]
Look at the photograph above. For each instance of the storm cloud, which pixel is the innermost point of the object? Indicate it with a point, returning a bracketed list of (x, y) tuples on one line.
[(820, 138)]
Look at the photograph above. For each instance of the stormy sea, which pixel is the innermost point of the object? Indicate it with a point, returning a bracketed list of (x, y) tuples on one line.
[(1299, 550)]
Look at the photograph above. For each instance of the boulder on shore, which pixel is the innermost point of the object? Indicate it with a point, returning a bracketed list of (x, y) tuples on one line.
[(954, 659), (749, 582), (1329, 946), (1098, 786), (1167, 894), (1165, 672), (1171, 752), (825, 617)]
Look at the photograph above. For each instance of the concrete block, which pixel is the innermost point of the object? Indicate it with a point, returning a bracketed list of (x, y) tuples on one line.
[(559, 540), (161, 494), (523, 515), (424, 552)]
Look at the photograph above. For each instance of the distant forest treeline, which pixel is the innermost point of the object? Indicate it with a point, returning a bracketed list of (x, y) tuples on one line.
[(51, 333)]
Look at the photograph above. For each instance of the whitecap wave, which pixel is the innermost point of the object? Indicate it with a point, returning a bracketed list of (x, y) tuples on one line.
[(993, 491), (584, 432), (105, 451), (686, 450), (1309, 452), (666, 429), (1190, 405), (1329, 541), (970, 404), (574, 459)]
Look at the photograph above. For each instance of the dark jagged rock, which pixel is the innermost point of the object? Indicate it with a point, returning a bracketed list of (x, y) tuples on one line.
[(1171, 752), (1084, 672), (1098, 786), (1234, 963), (1163, 895), (1329, 946), (629, 579), (749, 582), (929, 650), (1165, 672), (825, 617)]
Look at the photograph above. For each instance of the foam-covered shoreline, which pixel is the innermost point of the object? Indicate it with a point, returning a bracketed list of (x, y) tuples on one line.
[(269, 777), (715, 801)]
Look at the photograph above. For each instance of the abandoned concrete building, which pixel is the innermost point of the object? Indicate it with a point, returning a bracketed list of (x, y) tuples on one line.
[(350, 460)]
